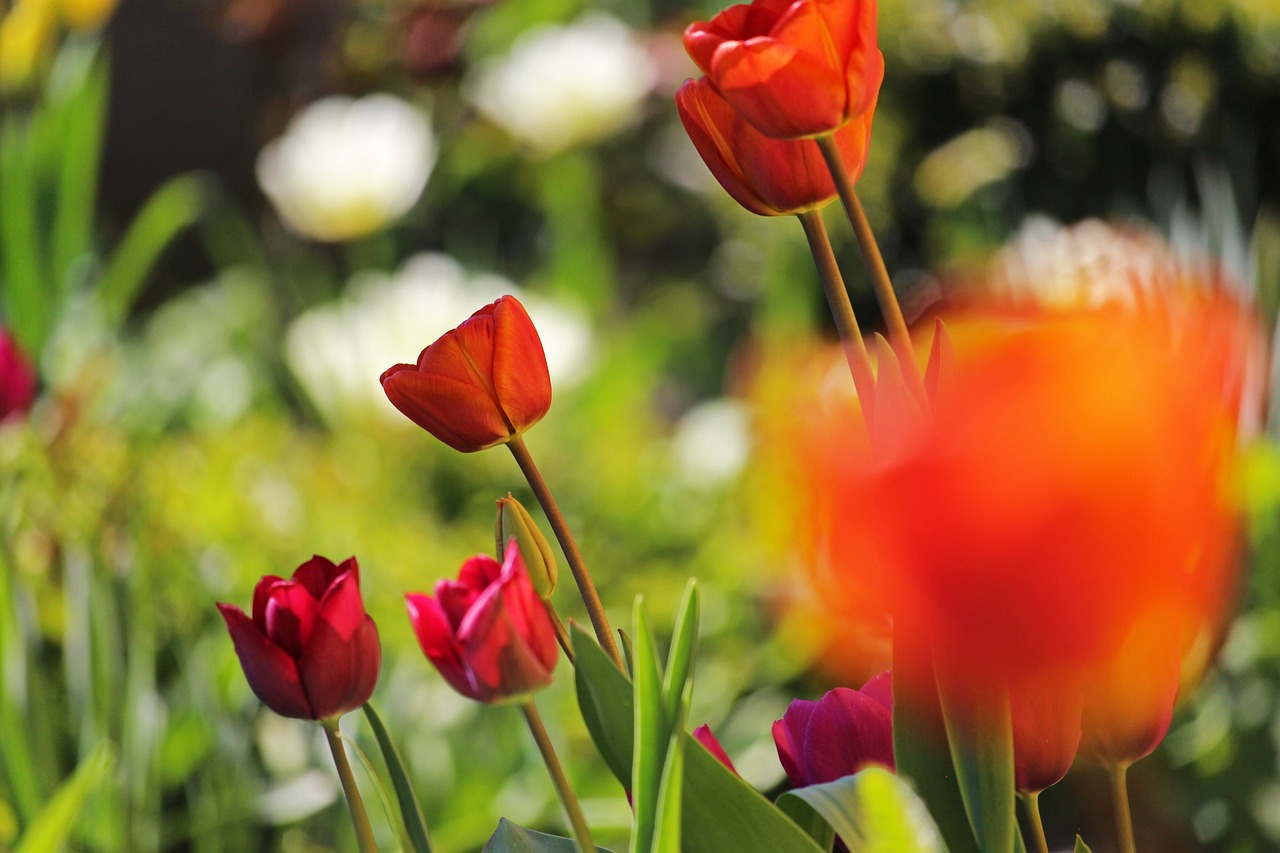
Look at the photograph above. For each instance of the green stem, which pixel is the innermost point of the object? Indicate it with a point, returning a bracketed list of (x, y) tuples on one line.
[(855, 349), (1120, 798), (562, 635), (587, 589), (581, 834), (359, 817), (1032, 802), (895, 323)]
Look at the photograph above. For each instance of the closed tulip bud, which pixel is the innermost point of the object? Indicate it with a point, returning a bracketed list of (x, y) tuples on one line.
[(481, 384), (767, 176), (793, 68), (838, 735), (309, 650), (488, 633), (515, 523)]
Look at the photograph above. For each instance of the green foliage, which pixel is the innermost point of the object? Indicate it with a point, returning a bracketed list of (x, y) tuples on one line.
[(510, 838), (873, 811)]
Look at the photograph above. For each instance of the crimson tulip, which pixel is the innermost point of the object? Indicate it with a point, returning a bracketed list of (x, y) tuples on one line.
[(480, 384), (309, 650), (765, 175), (488, 632), (793, 68), (17, 379), (839, 734)]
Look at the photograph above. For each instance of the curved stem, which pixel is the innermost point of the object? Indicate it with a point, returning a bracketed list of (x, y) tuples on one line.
[(1120, 798), (359, 817), (587, 589), (581, 834), (895, 323), (855, 349), (1032, 802)]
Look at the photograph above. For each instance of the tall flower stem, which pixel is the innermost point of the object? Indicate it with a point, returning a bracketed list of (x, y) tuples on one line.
[(587, 589), (855, 349), (581, 834), (359, 817), (1120, 798), (562, 636), (1032, 802), (895, 323)]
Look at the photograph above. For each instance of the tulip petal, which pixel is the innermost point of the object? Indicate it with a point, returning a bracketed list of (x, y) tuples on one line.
[(436, 637), (846, 731), (527, 612), (499, 659), (334, 667), (261, 595), (803, 96), (789, 739), (271, 673), (316, 575), (342, 607), (454, 411), (880, 688), (703, 735), (520, 372), (290, 616)]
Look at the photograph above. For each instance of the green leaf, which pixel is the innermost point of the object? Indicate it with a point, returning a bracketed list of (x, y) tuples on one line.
[(652, 733), (25, 298), (982, 753), (415, 825), (80, 151), (513, 838), (1081, 847), (52, 826), (171, 208), (872, 811), (806, 817), (683, 642), (920, 749), (606, 700)]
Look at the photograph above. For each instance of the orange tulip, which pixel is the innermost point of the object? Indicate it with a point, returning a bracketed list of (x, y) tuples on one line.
[(1064, 509), (793, 68), (766, 176), (481, 384)]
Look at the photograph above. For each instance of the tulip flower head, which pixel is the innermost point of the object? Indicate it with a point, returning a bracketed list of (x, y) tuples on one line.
[(481, 384), (488, 632), (792, 68), (765, 175), (309, 650), (838, 735)]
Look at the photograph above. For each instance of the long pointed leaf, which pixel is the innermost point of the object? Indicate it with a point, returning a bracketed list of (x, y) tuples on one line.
[(684, 641), (982, 753), (873, 812), (652, 733), (415, 825), (52, 826)]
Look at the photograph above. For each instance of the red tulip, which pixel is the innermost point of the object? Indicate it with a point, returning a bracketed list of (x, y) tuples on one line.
[(310, 650), (793, 68), (17, 379), (838, 735), (766, 176), (488, 632), (481, 384)]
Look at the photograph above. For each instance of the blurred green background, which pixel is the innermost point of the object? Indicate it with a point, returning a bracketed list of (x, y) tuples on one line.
[(209, 413)]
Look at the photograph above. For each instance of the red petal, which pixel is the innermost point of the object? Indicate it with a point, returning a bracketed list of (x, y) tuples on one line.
[(290, 616), (519, 365), (455, 411), (271, 673), (785, 92), (846, 732), (338, 664), (316, 575), (436, 637), (703, 735), (788, 738)]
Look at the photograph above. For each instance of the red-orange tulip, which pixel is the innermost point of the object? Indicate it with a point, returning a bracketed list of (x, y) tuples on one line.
[(793, 68), (765, 175), (481, 384)]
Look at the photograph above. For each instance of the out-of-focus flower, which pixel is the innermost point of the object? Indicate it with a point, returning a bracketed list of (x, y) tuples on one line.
[(712, 442), (26, 37), (86, 14), (337, 350), (515, 524), (703, 735), (766, 176), (488, 632), (346, 168), (565, 85), (481, 384), (17, 379), (1046, 729), (1067, 507), (793, 68), (309, 650), (838, 735)]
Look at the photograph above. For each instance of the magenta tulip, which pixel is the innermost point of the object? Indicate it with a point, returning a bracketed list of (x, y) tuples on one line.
[(838, 735), (310, 650), (488, 632)]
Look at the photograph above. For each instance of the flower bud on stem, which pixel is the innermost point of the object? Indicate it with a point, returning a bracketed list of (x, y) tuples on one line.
[(581, 834), (359, 818), (587, 589)]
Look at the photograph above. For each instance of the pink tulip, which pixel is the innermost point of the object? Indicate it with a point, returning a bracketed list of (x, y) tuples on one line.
[(838, 735)]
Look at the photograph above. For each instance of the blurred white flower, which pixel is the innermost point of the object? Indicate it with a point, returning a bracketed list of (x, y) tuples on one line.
[(712, 441), (339, 350), (346, 168), (565, 85)]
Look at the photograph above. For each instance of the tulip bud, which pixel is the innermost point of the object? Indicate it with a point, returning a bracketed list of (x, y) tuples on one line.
[(309, 650), (481, 384), (514, 522), (838, 735)]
